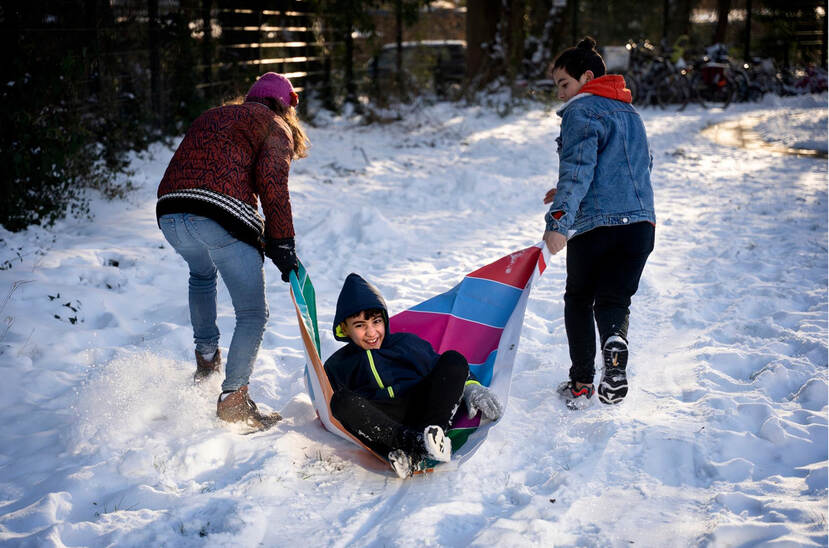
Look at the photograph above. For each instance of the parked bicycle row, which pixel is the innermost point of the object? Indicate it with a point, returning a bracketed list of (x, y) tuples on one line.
[(661, 76)]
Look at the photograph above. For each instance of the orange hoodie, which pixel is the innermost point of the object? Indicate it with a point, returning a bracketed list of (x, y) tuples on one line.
[(611, 86)]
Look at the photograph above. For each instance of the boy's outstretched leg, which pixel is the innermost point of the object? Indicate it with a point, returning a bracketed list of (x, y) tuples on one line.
[(376, 424), (369, 421), (437, 447)]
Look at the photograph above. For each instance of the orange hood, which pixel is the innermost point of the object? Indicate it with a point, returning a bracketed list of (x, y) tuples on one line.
[(611, 86)]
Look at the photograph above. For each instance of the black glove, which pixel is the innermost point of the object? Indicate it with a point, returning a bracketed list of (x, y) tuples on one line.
[(283, 255)]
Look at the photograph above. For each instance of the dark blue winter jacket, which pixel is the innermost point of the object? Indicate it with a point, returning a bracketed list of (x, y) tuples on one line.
[(401, 362)]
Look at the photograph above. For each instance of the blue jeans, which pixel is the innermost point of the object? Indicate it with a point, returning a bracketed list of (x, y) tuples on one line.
[(208, 248)]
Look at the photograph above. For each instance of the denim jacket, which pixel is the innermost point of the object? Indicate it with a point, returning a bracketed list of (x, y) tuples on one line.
[(604, 166)]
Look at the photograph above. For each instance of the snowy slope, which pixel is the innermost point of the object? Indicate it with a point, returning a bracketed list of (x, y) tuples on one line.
[(722, 440)]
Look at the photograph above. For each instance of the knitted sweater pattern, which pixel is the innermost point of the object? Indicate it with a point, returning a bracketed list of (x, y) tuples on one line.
[(230, 159)]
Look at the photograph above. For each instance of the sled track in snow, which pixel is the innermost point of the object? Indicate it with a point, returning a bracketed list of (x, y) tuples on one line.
[(375, 518)]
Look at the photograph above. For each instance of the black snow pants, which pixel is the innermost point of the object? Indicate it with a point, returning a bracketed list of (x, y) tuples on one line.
[(398, 423)]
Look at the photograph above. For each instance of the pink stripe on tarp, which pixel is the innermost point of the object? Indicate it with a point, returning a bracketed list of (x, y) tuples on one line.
[(462, 420), (475, 341), (515, 269), (427, 326), (444, 332)]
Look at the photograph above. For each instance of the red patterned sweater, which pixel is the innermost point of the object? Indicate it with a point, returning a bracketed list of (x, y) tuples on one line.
[(230, 158)]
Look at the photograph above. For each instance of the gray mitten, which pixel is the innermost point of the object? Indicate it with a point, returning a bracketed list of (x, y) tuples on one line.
[(480, 397)]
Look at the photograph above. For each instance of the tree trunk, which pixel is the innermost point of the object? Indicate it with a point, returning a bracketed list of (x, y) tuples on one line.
[(515, 36), (348, 63), (682, 17), (207, 41), (398, 56), (481, 26), (723, 7), (823, 47), (155, 61), (94, 60), (574, 21), (747, 50)]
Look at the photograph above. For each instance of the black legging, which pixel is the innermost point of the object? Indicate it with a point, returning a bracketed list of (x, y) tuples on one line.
[(386, 425), (603, 270)]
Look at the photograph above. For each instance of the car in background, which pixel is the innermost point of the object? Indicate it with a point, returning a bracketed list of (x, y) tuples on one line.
[(428, 65)]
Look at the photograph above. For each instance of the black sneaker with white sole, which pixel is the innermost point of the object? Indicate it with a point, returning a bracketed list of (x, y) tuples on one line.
[(614, 384)]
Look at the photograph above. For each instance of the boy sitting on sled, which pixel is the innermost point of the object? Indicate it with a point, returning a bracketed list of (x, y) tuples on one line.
[(392, 390)]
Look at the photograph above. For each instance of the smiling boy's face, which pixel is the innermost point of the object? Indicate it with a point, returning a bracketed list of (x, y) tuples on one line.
[(366, 329)]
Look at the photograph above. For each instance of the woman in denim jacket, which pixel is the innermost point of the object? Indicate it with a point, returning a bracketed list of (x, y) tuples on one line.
[(602, 209)]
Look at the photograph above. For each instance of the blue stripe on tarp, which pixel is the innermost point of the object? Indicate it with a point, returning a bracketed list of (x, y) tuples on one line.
[(483, 371), (477, 300), (308, 383)]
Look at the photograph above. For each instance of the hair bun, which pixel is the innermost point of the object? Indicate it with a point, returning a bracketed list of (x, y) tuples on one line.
[(587, 43)]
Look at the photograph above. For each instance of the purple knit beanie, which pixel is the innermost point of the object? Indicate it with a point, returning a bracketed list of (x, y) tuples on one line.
[(274, 86)]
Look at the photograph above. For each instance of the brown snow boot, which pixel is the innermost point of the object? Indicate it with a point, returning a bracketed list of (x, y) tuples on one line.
[(205, 368), (238, 407)]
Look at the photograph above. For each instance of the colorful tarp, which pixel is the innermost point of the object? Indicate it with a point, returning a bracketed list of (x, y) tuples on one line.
[(481, 318)]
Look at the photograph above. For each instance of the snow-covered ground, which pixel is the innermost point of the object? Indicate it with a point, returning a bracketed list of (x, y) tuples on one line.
[(722, 440), (796, 128)]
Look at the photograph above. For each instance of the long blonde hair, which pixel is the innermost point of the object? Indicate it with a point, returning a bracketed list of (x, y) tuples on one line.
[(288, 114), (301, 142)]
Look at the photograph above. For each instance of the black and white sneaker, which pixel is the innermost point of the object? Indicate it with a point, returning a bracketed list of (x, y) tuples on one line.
[(614, 385), (438, 446), (575, 398)]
